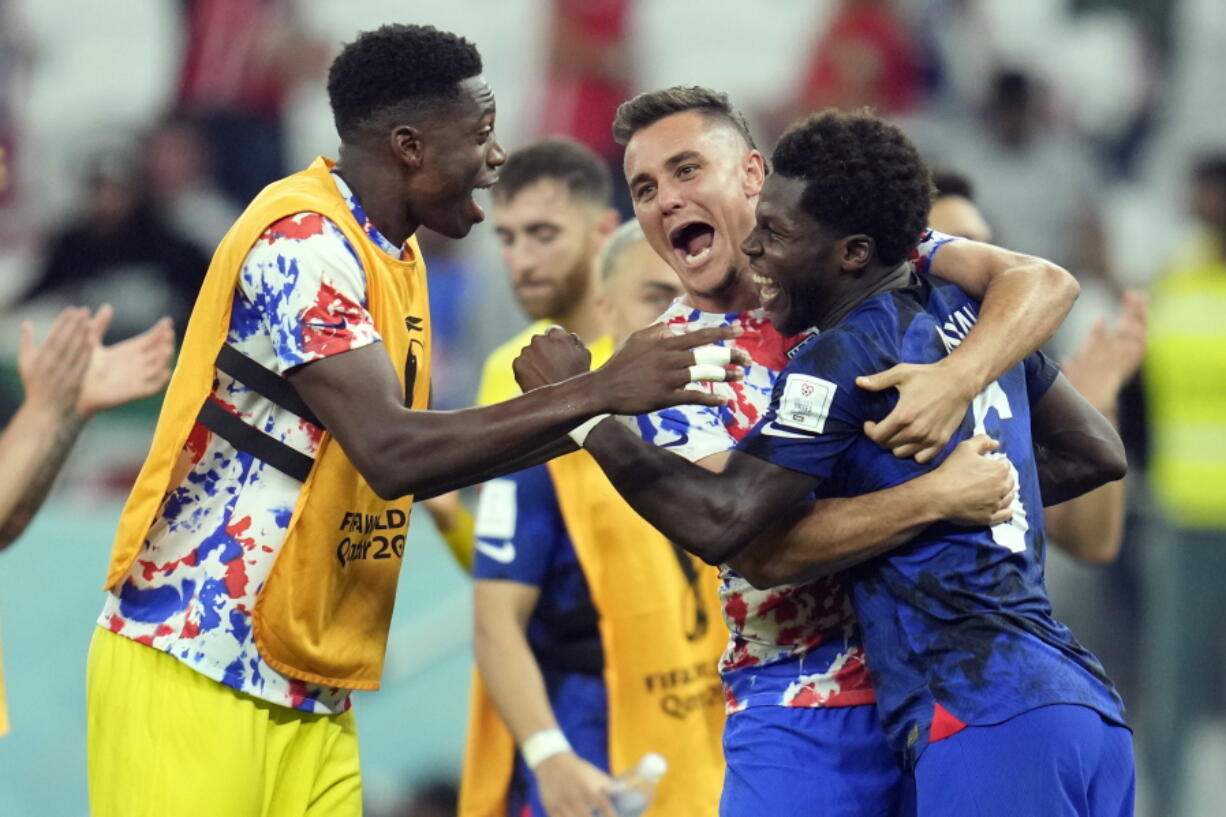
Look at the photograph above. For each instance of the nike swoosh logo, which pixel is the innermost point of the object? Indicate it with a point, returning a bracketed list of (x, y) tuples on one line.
[(504, 553), (317, 325)]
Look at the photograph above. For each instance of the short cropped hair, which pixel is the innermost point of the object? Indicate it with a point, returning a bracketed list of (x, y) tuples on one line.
[(620, 240), (585, 175), (394, 66), (862, 175), (952, 183), (648, 108)]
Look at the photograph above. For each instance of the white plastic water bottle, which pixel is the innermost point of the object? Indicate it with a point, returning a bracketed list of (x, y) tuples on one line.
[(633, 791)]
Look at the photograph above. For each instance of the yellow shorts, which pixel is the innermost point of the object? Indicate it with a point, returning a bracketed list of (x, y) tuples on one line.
[(166, 741)]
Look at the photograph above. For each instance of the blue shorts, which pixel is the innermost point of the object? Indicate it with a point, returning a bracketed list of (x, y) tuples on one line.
[(581, 708), (793, 762), (1061, 760)]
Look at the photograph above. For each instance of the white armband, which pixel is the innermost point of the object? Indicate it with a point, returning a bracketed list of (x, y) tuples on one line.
[(542, 745)]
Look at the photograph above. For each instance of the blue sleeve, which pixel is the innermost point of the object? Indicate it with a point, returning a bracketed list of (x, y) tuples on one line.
[(518, 527), (817, 411), (1041, 372)]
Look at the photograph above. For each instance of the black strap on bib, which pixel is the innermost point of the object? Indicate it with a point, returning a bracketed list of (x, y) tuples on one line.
[(246, 438)]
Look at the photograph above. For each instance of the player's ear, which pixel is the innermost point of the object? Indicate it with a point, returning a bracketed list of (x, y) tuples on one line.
[(406, 144), (856, 251), (753, 173)]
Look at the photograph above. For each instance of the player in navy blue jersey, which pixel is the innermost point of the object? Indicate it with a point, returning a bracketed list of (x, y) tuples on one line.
[(990, 704)]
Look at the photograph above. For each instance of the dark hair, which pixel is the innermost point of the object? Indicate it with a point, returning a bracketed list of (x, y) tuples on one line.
[(952, 183), (1211, 168), (397, 65), (648, 108), (862, 175), (585, 175), (1011, 88)]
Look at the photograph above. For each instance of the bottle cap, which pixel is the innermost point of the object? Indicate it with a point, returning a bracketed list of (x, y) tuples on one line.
[(653, 766)]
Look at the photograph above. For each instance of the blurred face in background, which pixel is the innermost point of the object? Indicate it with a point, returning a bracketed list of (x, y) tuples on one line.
[(549, 244), (694, 184), (958, 215), (638, 288)]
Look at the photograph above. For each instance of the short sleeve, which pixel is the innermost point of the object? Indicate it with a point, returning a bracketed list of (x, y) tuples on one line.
[(923, 254), (309, 289), (692, 432), (816, 412), (1041, 372), (518, 527)]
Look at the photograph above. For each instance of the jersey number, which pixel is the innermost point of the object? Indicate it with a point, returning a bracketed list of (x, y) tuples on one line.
[(1012, 534)]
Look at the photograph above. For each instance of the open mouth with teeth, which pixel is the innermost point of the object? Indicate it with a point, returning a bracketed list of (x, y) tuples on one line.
[(692, 243), (768, 289)]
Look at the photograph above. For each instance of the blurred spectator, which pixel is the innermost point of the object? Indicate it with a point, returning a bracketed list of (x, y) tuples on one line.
[(866, 56), (1037, 187), (1185, 378), (179, 171), (118, 249), (240, 60), (588, 76)]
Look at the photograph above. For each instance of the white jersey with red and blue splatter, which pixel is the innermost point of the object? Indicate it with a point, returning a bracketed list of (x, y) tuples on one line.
[(300, 297), (792, 645)]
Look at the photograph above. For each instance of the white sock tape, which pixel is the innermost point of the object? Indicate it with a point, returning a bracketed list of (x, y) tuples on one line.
[(717, 355), (701, 372), (542, 745), (579, 433)]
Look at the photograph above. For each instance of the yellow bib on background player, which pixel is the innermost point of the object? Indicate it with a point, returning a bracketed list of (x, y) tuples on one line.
[(662, 636), (321, 616)]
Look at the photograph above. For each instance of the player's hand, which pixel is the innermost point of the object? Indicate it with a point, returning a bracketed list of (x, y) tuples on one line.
[(1107, 358), (129, 370), (654, 366), (931, 405), (973, 487), (551, 357), (572, 787), (52, 372)]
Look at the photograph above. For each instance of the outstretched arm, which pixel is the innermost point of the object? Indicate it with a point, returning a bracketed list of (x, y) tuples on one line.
[(402, 451), (834, 534), (36, 443), (712, 515), (1024, 300), (1091, 527), (67, 378)]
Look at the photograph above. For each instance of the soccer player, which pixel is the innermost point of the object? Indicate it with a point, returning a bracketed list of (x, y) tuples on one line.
[(551, 213), (255, 565), (68, 378), (800, 697), (537, 631), (969, 669)]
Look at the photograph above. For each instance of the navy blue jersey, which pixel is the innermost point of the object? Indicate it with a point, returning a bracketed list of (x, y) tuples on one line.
[(521, 537), (958, 619)]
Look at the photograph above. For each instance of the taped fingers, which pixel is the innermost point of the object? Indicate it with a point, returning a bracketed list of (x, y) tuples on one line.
[(717, 355), (707, 372)]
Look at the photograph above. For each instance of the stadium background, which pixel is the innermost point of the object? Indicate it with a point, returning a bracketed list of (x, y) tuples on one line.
[(1133, 88)]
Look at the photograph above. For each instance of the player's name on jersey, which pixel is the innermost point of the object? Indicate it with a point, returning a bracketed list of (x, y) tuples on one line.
[(686, 690), (956, 327)]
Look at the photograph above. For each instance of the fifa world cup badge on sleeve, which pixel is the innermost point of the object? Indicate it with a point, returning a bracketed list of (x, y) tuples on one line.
[(805, 403)]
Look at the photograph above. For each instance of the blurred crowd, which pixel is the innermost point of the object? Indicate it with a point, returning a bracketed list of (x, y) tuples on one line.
[(1104, 151)]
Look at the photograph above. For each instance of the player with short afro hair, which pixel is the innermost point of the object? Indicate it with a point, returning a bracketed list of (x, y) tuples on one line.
[(396, 66), (862, 175)]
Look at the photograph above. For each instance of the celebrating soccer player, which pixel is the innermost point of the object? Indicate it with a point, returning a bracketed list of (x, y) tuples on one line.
[(255, 566), (969, 669)]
